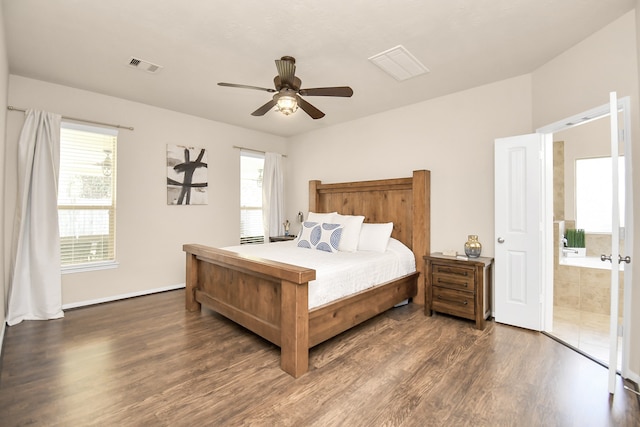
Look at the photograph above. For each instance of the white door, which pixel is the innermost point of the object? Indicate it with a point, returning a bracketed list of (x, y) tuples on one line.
[(518, 232), (615, 257)]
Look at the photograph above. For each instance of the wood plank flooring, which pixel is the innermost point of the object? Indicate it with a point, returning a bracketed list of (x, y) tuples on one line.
[(147, 361)]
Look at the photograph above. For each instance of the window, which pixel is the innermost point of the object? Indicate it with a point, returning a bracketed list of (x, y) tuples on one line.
[(593, 194), (86, 195), (251, 168)]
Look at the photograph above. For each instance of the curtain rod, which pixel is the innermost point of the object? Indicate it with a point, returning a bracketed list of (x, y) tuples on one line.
[(11, 108), (255, 151)]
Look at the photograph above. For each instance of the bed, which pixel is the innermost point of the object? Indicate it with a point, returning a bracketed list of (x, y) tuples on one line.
[(270, 298)]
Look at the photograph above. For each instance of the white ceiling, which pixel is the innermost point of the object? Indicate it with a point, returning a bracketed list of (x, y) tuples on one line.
[(87, 44)]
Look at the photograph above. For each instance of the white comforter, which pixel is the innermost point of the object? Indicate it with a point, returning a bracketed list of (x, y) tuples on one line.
[(338, 274)]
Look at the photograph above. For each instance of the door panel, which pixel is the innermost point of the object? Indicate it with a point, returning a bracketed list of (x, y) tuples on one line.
[(517, 280), (627, 236), (518, 180), (615, 242)]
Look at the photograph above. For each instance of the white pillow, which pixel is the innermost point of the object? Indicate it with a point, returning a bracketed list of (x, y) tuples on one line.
[(320, 236), (321, 217), (375, 237), (351, 233)]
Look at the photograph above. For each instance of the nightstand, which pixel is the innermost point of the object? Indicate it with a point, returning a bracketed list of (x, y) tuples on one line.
[(458, 287), (281, 238)]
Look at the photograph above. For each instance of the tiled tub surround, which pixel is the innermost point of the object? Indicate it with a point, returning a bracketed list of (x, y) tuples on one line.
[(584, 289)]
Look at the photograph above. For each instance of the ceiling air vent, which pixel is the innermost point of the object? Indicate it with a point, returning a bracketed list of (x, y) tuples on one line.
[(141, 64), (399, 63)]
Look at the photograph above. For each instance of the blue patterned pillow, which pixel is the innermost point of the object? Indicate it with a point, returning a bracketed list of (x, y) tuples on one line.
[(320, 236)]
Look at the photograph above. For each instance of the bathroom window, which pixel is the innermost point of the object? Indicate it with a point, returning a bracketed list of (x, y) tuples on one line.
[(593, 194)]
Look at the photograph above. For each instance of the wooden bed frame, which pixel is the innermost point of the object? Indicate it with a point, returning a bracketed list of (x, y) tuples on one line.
[(271, 298)]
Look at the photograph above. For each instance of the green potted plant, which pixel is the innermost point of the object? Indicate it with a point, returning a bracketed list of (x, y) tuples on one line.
[(575, 242)]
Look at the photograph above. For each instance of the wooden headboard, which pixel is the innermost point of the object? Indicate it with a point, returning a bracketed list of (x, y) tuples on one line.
[(404, 201)]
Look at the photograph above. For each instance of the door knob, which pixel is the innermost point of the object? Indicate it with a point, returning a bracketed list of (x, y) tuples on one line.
[(500, 240), (626, 259), (603, 257)]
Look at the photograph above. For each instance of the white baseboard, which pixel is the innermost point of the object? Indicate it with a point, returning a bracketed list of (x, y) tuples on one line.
[(122, 296)]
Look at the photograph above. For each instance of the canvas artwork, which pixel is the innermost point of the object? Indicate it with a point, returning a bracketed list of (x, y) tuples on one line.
[(187, 179)]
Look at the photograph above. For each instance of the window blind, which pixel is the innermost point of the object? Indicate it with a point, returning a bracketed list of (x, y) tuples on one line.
[(86, 194), (251, 169)]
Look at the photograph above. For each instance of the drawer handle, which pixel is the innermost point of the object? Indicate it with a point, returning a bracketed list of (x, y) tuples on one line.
[(465, 284), (453, 300), (450, 271)]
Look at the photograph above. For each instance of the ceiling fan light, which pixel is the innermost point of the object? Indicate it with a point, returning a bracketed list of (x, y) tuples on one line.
[(287, 104)]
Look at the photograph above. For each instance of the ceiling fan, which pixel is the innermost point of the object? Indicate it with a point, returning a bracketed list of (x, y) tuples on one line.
[(288, 93)]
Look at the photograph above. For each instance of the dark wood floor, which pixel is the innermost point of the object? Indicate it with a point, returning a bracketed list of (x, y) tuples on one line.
[(147, 361)]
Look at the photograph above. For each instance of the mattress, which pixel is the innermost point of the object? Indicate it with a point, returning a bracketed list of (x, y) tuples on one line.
[(338, 274)]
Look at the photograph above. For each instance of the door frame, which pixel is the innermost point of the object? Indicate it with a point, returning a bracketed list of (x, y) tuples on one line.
[(624, 106)]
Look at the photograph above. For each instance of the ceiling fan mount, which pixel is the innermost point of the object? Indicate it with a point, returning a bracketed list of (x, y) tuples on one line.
[(288, 93)]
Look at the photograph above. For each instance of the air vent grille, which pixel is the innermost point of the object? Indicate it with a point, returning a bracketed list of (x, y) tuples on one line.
[(399, 63), (141, 64)]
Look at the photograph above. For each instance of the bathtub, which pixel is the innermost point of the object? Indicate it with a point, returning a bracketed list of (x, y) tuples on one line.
[(587, 262)]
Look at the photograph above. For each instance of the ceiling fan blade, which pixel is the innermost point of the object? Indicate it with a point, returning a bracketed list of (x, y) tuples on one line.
[(309, 109), (344, 91), (246, 87), (264, 109), (286, 70)]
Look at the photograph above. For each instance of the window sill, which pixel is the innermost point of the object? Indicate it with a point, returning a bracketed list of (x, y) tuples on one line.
[(82, 268)]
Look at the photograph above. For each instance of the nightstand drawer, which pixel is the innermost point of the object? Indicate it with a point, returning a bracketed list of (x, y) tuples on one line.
[(453, 270), (455, 282), (453, 302)]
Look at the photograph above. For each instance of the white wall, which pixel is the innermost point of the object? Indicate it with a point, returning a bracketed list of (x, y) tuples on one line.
[(452, 136), (4, 85), (150, 234), (580, 79)]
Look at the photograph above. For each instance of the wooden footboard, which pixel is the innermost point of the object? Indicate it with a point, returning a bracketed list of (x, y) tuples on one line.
[(266, 297), (271, 299)]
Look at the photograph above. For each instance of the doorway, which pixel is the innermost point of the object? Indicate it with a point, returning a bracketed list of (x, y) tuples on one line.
[(581, 281), (618, 253)]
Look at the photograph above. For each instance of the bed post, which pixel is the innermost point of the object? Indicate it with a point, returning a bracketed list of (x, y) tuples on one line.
[(294, 328), (313, 196), (191, 283), (421, 238)]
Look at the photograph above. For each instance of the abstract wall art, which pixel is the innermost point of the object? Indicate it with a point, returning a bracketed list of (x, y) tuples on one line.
[(187, 178)]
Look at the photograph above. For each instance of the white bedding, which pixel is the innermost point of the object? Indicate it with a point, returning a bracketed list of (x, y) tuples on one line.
[(341, 273)]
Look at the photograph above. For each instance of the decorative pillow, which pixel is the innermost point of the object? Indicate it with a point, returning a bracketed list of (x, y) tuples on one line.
[(351, 233), (320, 236), (375, 237), (321, 217)]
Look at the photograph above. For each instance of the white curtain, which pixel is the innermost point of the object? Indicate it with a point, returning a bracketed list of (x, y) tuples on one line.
[(35, 291), (273, 195)]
